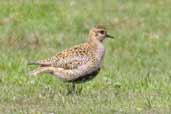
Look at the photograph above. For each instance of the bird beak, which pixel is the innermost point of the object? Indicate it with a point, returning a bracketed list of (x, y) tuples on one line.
[(109, 36)]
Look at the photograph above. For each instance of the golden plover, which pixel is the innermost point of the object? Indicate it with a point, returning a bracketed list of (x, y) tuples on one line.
[(79, 63)]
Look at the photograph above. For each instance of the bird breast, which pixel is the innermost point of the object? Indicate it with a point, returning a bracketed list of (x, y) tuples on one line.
[(100, 52)]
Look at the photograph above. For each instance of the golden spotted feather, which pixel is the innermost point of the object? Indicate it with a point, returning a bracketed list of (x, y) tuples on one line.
[(82, 62), (70, 58)]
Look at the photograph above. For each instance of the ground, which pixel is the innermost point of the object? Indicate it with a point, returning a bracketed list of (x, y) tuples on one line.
[(136, 75)]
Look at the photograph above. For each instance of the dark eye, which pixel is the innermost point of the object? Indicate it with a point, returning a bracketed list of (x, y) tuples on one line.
[(102, 32)]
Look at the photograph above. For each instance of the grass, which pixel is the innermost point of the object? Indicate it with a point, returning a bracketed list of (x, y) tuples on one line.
[(135, 78)]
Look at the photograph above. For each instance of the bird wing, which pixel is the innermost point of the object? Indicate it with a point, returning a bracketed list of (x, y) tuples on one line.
[(72, 62), (68, 59)]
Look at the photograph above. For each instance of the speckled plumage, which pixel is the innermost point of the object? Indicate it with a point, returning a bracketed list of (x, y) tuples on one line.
[(79, 63)]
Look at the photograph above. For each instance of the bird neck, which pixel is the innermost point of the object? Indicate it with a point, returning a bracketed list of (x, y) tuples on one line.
[(94, 42), (93, 39)]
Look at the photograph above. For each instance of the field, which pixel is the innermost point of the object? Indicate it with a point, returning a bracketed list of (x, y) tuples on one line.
[(136, 75)]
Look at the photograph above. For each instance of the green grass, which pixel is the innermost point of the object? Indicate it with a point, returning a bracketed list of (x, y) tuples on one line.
[(136, 75)]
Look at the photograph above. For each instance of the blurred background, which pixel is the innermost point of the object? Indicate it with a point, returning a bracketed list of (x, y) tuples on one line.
[(136, 74)]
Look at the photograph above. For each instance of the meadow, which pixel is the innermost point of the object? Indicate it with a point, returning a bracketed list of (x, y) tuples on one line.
[(135, 77)]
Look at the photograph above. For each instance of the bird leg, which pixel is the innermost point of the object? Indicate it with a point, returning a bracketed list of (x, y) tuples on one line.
[(71, 89)]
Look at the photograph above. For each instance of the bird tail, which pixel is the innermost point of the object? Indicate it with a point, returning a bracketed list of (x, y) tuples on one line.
[(39, 63)]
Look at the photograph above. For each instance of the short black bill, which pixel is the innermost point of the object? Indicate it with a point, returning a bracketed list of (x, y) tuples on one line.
[(109, 36)]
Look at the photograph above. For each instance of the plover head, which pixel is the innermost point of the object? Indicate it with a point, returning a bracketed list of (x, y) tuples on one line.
[(99, 33)]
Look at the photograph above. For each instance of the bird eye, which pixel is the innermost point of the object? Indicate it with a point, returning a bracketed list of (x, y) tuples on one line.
[(102, 32)]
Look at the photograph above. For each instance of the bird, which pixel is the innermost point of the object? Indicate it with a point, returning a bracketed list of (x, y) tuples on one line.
[(79, 63)]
